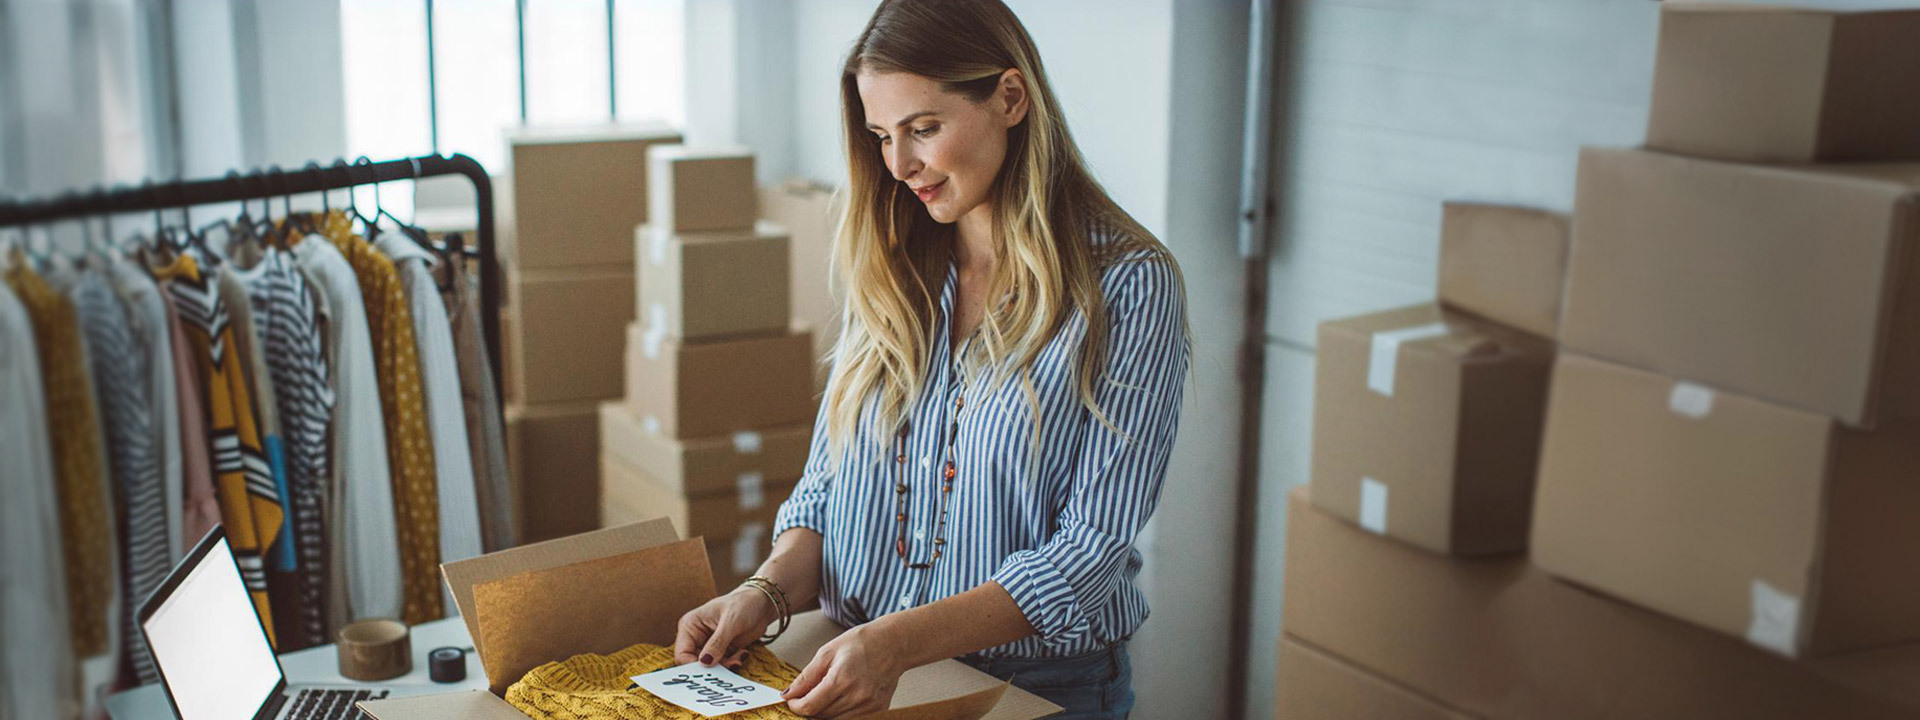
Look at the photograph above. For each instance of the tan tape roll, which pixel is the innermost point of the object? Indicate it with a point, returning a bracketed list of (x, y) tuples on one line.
[(374, 650)]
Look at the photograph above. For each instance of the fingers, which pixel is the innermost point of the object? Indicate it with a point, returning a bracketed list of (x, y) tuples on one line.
[(687, 641), (809, 678), (736, 661)]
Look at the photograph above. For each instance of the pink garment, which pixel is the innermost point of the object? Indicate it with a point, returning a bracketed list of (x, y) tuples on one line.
[(202, 510)]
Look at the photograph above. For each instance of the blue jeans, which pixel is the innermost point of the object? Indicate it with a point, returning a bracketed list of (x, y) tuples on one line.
[(1094, 686)]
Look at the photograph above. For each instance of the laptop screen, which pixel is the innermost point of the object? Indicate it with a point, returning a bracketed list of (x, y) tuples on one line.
[(208, 643)]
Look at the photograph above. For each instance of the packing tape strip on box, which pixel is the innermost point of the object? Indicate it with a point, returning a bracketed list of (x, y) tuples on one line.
[(1373, 505), (746, 547), (1386, 353), (750, 488), (656, 245), (746, 442), (1776, 619), (1690, 400), (656, 332)]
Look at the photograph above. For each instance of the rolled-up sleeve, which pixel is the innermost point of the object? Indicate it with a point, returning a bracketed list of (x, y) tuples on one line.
[(1067, 587), (807, 506)]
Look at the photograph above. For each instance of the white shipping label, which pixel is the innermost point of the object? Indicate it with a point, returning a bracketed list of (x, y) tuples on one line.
[(1690, 400), (651, 424), (1776, 620), (710, 691), (746, 442), (656, 332), (750, 486), (1373, 505), (747, 546), (1386, 353), (656, 245)]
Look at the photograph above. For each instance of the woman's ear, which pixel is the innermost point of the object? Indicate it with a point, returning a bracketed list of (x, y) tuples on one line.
[(1014, 100)]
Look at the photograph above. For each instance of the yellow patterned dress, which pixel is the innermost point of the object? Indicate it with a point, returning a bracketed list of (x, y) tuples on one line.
[(598, 687)]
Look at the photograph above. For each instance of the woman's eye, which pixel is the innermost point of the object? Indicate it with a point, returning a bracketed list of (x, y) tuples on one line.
[(882, 139), (926, 132)]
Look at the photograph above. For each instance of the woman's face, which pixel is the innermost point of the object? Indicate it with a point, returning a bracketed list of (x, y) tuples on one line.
[(944, 147)]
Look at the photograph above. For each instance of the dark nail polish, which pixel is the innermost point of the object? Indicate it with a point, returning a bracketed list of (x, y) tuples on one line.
[(706, 659)]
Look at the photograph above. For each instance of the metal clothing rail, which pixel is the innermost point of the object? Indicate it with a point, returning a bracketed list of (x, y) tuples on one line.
[(276, 183)]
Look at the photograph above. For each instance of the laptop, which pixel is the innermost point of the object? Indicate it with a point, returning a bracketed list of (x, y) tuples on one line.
[(212, 653)]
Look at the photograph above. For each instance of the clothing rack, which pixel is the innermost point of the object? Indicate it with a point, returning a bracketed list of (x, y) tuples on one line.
[(276, 183)]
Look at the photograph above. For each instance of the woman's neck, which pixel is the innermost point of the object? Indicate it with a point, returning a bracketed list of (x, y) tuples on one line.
[(973, 240)]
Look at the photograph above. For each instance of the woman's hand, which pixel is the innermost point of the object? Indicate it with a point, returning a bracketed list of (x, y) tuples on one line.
[(719, 631), (854, 674)]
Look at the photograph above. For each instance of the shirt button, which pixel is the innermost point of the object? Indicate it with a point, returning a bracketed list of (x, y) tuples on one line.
[(926, 462), (919, 534), (906, 600)]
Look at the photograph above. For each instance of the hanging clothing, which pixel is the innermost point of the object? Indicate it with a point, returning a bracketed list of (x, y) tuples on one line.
[(460, 536), (200, 508), (118, 361), (409, 444), (277, 554), (288, 320), (151, 337), (480, 400), (364, 543), (86, 524), (37, 658), (250, 507)]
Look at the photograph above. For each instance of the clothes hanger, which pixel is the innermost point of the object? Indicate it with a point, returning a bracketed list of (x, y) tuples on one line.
[(372, 224)]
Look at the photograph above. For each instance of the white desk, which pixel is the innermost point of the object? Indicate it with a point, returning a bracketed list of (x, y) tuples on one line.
[(321, 666)]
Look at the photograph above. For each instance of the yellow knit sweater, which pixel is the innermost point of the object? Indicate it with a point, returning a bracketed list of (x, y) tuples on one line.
[(597, 687)]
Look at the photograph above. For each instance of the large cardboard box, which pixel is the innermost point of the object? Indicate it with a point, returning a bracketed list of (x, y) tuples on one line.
[(809, 212), (708, 285), (1794, 284), (1426, 427), (628, 585), (702, 465), (579, 192), (553, 456), (1506, 264), (1757, 520), (690, 390), (567, 328), (628, 494), (1782, 84), (1315, 685), (1502, 640), (697, 189)]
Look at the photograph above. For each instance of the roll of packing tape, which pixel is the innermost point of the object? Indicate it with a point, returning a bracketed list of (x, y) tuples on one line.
[(447, 665), (374, 650)]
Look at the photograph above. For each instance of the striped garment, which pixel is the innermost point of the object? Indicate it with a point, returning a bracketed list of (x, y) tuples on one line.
[(1052, 518), (288, 322)]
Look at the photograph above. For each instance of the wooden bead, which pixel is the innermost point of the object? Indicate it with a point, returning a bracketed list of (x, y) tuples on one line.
[(900, 546), (950, 470), (900, 487)]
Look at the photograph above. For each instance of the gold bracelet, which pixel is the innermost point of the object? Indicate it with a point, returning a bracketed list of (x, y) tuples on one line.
[(778, 597), (764, 638)]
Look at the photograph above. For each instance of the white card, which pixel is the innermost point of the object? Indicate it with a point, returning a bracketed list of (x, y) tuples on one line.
[(710, 691)]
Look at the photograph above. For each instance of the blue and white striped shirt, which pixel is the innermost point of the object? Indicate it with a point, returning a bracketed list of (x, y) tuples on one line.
[(1054, 521)]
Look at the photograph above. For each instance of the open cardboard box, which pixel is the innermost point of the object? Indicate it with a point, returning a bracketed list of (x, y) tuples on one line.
[(606, 590)]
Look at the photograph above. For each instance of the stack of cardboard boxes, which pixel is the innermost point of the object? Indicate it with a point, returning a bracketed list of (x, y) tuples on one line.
[(715, 426), (570, 288), (1726, 504)]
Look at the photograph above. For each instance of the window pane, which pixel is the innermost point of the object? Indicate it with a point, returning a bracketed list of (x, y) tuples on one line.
[(477, 77), (648, 41), (566, 61), (384, 45)]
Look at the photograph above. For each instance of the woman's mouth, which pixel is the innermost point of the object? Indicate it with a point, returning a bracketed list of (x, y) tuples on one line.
[(928, 193)]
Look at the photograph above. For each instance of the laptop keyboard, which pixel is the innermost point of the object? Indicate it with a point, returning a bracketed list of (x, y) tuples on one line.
[(317, 704)]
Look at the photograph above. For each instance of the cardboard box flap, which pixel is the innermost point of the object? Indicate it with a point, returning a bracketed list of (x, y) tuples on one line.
[(470, 705), (462, 576), (600, 606), (945, 689)]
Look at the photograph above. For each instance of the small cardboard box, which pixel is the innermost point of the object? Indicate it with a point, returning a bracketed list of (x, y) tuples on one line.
[(553, 457), (690, 390), (697, 189), (628, 585), (1426, 427), (1799, 285), (579, 192), (628, 493), (1502, 640), (709, 285), (809, 212), (1315, 685), (703, 465), (1757, 520), (1782, 84), (567, 329), (1506, 264)]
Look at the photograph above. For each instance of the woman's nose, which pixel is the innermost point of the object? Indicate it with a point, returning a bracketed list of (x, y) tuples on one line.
[(904, 164)]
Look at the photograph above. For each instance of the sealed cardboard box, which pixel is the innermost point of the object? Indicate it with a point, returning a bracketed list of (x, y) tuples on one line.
[(1501, 640), (708, 285), (809, 212), (1426, 427), (1794, 284), (1315, 685), (568, 331), (629, 585), (553, 456), (697, 189), (690, 390), (1782, 84), (1763, 522), (1506, 264), (579, 192), (708, 464), (628, 493)]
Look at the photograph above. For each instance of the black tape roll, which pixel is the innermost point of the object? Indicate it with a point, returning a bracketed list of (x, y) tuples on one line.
[(447, 665)]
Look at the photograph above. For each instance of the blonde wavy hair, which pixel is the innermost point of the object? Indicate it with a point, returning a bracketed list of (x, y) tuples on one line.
[(891, 256)]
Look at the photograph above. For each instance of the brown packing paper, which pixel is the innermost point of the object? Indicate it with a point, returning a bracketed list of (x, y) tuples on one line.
[(706, 464), (470, 705), (1506, 264), (1315, 685), (462, 576)]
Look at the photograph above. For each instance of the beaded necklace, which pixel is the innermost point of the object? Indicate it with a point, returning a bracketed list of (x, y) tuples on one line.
[(947, 473)]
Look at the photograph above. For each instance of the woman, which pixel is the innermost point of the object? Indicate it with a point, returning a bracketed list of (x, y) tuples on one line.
[(1003, 397)]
